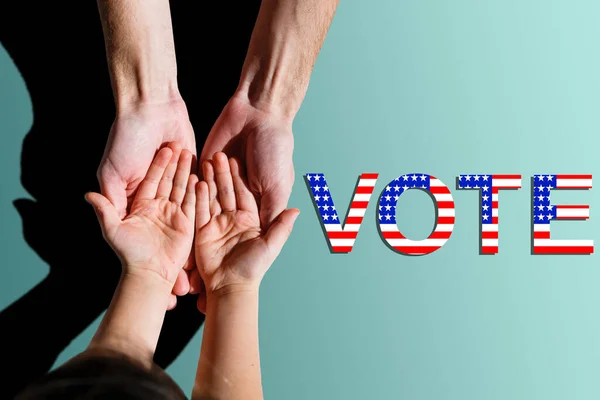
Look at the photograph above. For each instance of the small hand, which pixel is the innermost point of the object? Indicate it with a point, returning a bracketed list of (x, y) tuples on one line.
[(264, 144), (232, 251), (157, 234)]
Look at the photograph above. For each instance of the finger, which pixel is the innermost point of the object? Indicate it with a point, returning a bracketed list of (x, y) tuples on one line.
[(113, 188), (105, 211), (224, 182), (150, 183), (195, 282), (280, 230), (202, 204), (166, 182), (184, 167), (172, 302), (244, 197), (189, 201), (182, 284), (272, 204), (209, 176), (190, 264)]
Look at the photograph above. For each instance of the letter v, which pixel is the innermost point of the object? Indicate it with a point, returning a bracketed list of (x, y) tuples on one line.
[(341, 239)]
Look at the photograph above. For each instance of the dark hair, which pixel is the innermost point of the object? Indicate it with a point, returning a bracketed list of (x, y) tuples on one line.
[(103, 376)]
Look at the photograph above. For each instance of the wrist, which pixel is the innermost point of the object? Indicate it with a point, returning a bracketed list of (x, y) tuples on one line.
[(249, 289), (135, 96)]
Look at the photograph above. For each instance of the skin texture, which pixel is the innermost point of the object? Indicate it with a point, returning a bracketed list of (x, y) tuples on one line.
[(233, 254), (156, 236), (153, 242)]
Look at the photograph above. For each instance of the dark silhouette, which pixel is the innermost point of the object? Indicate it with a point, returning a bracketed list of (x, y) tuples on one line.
[(58, 47)]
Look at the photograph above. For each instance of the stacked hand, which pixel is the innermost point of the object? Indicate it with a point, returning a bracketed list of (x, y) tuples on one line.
[(155, 238)]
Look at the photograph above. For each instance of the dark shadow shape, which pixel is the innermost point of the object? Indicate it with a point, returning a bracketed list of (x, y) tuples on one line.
[(314, 203), (58, 47), (435, 207)]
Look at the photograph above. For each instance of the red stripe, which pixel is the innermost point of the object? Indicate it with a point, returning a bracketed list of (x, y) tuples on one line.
[(495, 190), (582, 217), (393, 235), (439, 235), (359, 204), (416, 249), (342, 235), (563, 249), (541, 235), (445, 204), (342, 249), (583, 207), (505, 187), (489, 249), (506, 176), (364, 189), (494, 220), (494, 204), (573, 176), (489, 235), (439, 190), (445, 220), (353, 220), (369, 176)]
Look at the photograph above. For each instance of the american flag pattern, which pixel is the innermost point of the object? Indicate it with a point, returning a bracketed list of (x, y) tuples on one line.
[(341, 238), (387, 214), (544, 212), (489, 186)]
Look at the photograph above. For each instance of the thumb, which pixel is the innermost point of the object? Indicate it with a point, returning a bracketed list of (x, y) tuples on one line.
[(114, 189), (280, 230), (105, 211), (272, 204)]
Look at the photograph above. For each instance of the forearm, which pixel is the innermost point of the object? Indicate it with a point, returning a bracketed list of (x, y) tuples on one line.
[(133, 321), (229, 365), (140, 51), (285, 43)]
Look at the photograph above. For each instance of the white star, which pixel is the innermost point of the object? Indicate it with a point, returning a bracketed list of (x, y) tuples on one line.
[(423, 187), (485, 188), (317, 177), (396, 197), (405, 187), (326, 207), (388, 197), (540, 208), (548, 216), (485, 197), (468, 178), (326, 188), (334, 217), (380, 217), (388, 188), (485, 177), (414, 177), (476, 177), (333, 207), (388, 208), (325, 217), (423, 177), (485, 207), (538, 177), (380, 208), (542, 177), (540, 187), (317, 188), (485, 217), (540, 217), (405, 177), (541, 198), (388, 217), (396, 188), (308, 177), (549, 177), (549, 187), (325, 197), (468, 187), (549, 208), (317, 197)]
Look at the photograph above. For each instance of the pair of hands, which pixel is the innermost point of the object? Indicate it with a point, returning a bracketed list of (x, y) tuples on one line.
[(172, 212), (261, 141)]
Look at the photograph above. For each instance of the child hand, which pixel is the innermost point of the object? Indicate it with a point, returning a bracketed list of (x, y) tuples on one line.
[(232, 253), (156, 236)]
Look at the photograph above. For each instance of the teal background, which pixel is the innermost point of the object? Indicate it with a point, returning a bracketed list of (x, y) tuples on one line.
[(440, 87)]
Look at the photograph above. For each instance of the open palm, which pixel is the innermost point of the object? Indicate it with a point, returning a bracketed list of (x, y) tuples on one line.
[(231, 249), (157, 234)]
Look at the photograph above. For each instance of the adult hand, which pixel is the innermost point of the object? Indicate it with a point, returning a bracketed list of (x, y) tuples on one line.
[(136, 135), (264, 144)]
